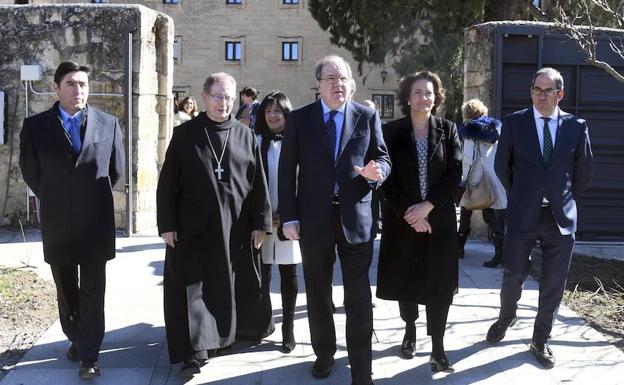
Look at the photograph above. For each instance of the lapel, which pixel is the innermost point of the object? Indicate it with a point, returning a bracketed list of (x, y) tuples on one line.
[(436, 135), (559, 134), (93, 122), (407, 139), (533, 139), (57, 131), (350, 121), (320, 127)]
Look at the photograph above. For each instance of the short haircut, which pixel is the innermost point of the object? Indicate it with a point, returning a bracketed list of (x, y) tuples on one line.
[(473, 109), (281, 101), (250, 91), (218, 77), (67, 67), (550, 73), (318, 70), (405, 90)]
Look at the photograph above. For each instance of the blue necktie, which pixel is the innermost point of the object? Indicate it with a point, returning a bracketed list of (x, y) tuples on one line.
[(74, 134), (331, 133)]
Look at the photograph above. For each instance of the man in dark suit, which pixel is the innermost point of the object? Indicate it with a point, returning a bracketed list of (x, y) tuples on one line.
[(333, 158), (544, 163), (71, 156)]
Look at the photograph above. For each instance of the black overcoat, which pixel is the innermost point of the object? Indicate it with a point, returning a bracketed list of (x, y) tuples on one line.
[(75, 192), (212, 264), (416, 266)]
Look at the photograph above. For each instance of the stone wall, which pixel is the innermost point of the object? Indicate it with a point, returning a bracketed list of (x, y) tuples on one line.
[(94, 35)]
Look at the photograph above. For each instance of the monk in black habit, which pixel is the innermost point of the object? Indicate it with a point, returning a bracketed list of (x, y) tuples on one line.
[(213, 214)]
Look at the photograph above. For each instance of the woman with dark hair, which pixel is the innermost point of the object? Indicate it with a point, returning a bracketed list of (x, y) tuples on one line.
[(417, 257), (187, 110), (270, 122)]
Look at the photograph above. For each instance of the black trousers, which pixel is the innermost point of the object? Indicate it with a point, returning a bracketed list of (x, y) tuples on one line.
[(556, 254), (288, 289), (495, 219), (437, 315), (80, 294), (355, 259)]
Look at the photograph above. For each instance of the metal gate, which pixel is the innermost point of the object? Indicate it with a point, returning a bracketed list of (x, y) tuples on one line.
[(591, 94)]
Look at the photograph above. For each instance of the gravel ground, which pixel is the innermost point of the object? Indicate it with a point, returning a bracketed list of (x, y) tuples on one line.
[(27, 309)]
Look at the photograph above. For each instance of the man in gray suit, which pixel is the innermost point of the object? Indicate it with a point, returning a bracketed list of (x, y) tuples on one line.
[(544, 162), (70, 157)]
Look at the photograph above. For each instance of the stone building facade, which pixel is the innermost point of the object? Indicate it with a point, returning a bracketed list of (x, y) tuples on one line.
[(46, 35), (265, 32)]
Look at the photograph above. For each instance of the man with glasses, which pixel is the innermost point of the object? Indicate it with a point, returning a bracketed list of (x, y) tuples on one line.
[(213, 207), (544, 163), (333, 158)]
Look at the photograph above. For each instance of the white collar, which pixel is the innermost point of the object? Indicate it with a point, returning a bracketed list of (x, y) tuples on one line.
[(326, 109), (554, 116)]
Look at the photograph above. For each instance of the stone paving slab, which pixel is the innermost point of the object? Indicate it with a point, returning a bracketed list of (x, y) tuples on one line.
[(134, 350)]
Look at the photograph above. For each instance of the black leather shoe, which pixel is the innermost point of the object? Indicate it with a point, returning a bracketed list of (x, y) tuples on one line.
[(408, 347), (543, 354), (88, 369), (362, 381), (72, 352), (322, 367), (498, 329), (493, 263), (440, 363), (190, 367)]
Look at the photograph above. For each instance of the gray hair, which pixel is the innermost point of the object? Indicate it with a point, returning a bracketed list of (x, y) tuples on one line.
[(335, 59), (550, 73), (218, 77)]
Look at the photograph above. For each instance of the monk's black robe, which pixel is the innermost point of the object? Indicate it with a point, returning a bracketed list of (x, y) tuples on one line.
[(212, 276)]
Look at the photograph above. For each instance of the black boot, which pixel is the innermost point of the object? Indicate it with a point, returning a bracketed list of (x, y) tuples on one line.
[(498, 254), (461, 242)]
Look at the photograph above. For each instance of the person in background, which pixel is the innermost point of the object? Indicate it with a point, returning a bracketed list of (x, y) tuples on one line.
[(246, 114), (70, 157), (417, 255), (481, 130), (187, 110), (270, 123), (213, 213)]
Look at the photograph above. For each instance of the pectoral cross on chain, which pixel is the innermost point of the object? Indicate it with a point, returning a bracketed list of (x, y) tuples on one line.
[(219, 170)]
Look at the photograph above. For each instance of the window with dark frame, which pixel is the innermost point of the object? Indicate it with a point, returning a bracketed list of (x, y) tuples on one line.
[(290, 51), (101, 1), (290, 1), (233, 50), (233, 1), (170, 1), (385, 105)]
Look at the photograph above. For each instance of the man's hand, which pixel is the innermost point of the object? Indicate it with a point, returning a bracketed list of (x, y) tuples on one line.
[(417, 212), (257, 237), (170, 237), (371, 171), (422, 226), (291, 231)]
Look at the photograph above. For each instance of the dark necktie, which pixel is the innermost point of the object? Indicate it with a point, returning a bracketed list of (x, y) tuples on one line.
[(331, 133), (548, 144), (74, 134)]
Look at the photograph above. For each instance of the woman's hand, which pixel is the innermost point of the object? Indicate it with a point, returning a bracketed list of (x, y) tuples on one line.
[(422, 226), (417, 212)]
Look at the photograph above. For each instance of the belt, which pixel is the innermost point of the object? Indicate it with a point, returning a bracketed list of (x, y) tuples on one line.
[(335, 199)]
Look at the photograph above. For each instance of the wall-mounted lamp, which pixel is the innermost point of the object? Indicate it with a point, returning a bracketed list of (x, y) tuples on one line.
[(384, 75)]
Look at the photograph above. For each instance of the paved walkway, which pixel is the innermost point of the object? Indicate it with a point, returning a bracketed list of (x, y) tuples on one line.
[(134, 350)]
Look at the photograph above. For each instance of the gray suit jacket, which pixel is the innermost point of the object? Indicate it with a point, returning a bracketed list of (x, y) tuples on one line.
[(520, 168)]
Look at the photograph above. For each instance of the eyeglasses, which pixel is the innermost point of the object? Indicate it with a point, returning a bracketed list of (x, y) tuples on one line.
[(334, 79), (219, 98), (547, 92)]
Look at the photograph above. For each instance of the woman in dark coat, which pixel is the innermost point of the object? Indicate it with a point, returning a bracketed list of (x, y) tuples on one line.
[(417, 258)]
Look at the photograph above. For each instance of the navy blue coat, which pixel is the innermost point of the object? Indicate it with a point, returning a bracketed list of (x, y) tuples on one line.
[(77, 212), (306, 196), (520, 168)]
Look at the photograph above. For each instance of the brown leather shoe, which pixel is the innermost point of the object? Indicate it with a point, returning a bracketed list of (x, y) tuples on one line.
[(543, 353)]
